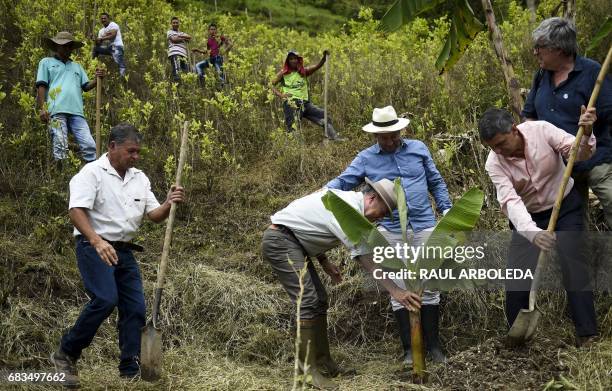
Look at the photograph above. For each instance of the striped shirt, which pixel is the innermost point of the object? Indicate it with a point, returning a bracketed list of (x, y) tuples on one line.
[(174, 49)]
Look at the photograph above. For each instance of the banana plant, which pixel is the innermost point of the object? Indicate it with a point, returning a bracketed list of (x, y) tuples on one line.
[(451, 231), (463, 29)]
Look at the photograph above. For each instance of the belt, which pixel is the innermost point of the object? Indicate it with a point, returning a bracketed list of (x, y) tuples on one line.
[(117, 245), (287, 231)]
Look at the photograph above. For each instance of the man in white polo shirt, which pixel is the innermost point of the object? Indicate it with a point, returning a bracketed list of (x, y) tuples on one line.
[(110, 33), (108, 200), (305, 228)]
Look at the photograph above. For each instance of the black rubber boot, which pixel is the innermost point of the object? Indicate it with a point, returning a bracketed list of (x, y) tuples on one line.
[(430, 319), (402, 318)]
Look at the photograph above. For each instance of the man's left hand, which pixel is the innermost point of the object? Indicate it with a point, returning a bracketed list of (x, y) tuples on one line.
[(587, 117), (332, 271), (176, 195)]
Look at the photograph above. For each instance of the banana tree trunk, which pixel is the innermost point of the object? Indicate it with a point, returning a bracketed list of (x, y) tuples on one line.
[(419, 375), (512, 84), (569, 10), (531, 4)]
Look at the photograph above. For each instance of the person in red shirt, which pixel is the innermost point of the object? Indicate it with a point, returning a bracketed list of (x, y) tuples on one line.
[(213, 48)]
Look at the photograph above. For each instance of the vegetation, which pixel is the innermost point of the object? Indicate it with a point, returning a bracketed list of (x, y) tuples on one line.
[(227, 322)]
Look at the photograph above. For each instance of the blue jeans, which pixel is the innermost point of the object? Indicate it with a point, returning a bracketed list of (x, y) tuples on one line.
[(109, 287), (60, 124), (116, 52), (216, 61)]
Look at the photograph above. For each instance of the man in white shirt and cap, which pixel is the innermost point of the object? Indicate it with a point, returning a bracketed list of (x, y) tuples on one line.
[(108, 200), (109, 42), (305, 228)]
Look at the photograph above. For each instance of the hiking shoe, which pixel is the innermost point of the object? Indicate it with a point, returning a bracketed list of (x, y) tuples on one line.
[(586, 342), (66, 364)]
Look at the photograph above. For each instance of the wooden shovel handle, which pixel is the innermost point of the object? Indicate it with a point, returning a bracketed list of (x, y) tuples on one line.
[(326, 82), (161, 273), (566, 175), (98, 103)]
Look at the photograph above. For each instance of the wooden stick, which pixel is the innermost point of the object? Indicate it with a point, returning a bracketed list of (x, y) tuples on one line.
[(325, 83), (163, 265), (98, 103)]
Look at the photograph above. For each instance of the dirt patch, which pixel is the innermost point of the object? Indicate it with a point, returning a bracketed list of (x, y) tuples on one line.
[(493, 366)]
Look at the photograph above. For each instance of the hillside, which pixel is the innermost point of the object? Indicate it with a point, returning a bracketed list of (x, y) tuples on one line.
[(227, 323)]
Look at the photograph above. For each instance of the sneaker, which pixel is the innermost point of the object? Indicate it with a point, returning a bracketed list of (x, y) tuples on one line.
[(66, 364)]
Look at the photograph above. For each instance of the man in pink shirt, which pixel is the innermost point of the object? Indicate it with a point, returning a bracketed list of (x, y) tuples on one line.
[(526, 166)]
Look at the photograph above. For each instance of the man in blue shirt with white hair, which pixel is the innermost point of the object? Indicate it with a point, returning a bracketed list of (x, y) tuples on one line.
[(395, 157)]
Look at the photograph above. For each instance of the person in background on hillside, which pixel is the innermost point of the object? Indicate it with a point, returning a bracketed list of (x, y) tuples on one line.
[(305, 228), (526, 166), (177, 49), (60, 83), (108, 200), (214, 50), (295, 94), (395, 157), (109, 42), (561, 86)]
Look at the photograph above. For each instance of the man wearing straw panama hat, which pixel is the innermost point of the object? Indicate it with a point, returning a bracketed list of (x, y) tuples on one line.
[(60, 83), (395, 157)]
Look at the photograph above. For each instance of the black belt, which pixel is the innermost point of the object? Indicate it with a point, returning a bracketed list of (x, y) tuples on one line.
[(121, 246)]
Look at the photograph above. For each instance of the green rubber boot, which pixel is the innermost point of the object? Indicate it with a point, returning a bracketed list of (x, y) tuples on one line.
[(308, 364)]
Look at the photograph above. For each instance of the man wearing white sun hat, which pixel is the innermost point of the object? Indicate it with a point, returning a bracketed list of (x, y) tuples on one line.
[(391, 157)]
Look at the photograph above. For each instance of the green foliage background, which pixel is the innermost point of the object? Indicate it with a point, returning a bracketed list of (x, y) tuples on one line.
[(223, 306)]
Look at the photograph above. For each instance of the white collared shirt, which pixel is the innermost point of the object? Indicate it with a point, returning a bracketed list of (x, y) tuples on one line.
[(316, 227), (115, 205)]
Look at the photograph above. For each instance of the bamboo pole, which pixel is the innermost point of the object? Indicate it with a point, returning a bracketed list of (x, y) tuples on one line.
[(98, 103)]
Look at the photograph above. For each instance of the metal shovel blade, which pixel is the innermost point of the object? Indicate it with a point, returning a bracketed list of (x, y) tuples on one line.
[(150, 353), (524, 327)]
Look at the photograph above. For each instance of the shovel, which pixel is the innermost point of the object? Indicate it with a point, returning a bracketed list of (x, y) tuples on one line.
[(151, 339), (524, 325), (98, 101)]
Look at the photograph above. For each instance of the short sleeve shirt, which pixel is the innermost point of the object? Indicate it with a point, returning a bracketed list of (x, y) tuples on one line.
[(115, 206), (64, 82), (213, 45), (316, 227), (118, 41), (175, 49)]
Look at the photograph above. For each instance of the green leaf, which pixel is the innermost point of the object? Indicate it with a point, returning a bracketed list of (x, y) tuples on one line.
[(403, 11), (357, 228), (464, 28), (402, 206), (354, 224), (602, 33), (450, 232)]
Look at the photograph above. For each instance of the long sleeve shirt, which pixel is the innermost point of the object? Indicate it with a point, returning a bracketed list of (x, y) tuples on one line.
[(560, 105), (529, 185), (411, 162)]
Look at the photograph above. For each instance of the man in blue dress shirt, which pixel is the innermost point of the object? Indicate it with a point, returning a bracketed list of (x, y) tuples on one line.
[(391, 157), (560, 89)]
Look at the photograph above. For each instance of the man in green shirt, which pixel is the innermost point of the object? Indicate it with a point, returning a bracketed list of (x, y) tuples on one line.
[(296, 99), (60, 83)]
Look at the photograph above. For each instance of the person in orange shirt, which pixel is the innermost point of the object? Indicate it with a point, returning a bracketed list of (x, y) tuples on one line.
[(526, 166)]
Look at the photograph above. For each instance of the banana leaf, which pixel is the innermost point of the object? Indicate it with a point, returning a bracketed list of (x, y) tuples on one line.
[(600, 35), (463, 29), (357, 228)]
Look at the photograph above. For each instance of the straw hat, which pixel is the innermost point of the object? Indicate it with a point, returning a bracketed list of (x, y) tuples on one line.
[(385, 120)]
